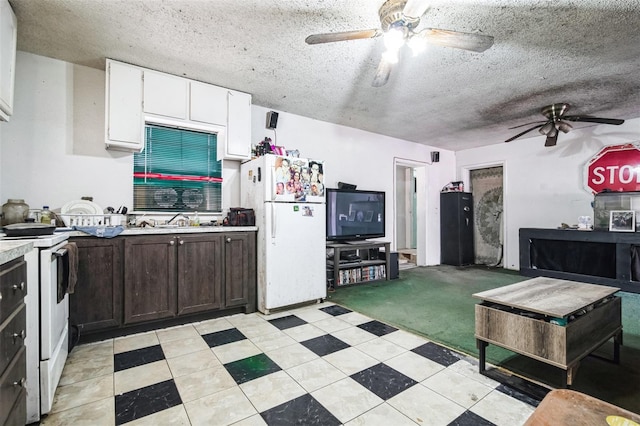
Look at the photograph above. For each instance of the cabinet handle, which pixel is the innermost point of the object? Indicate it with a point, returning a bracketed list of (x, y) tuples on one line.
[(18, 335), (0, 295), (228, 239), (171, 242), (181, 242), (21, 383), (15, 287)]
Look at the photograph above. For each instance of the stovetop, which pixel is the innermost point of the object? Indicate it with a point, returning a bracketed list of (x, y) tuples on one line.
[(40, 240)]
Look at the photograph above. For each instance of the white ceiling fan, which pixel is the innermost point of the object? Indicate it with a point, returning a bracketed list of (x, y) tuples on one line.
[(399, 20)]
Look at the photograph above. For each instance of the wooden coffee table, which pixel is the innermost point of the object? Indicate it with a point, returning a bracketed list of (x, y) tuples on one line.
[(555, 321)]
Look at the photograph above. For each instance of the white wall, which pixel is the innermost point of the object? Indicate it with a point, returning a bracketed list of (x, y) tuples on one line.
[(543, 187), (52, 150), (364, 159)]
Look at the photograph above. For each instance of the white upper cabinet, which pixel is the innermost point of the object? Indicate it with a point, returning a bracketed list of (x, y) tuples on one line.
[(238, 126), (123, 105), (166, 95), (8, 37), (208, 103), (135, 94)]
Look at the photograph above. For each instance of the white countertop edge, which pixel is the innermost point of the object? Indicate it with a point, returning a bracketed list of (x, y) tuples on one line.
[(181, 230), (10, 250)]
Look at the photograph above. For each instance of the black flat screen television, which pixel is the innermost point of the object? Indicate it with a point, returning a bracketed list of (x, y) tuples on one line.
[(354, 214)]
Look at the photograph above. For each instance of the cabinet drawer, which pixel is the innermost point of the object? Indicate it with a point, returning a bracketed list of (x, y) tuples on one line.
[(12, 385), (12, 333), (13, 286), (18, 413), (557, 345)]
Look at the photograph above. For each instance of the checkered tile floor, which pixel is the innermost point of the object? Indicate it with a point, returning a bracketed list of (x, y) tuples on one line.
[(320, 364)]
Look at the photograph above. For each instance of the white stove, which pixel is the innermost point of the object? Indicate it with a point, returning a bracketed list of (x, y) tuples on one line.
[(40, 240), (47, 339)]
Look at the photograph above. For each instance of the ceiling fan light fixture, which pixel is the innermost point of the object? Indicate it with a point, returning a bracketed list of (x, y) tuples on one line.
[(564, 127), (417, 45), (547, 128), (394, 38), (553, 132)]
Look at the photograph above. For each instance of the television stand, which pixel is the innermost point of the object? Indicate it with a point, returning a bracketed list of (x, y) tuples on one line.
[(367, 265)]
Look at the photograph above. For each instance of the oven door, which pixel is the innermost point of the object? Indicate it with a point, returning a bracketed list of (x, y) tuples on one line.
[(54, 320)]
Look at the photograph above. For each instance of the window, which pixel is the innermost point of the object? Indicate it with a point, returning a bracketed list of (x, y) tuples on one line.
[(178, 171)]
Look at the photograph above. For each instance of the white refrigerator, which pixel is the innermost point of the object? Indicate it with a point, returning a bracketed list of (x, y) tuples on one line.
[(287, 195)]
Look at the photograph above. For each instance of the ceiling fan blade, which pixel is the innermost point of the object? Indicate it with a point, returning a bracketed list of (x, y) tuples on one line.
[(456, 39), (527, 124), (342, 36), (590, 119), (551, 139), (415, 8), (523, 133), (382, 73)]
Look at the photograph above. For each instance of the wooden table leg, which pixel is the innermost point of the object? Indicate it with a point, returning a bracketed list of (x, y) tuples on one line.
[(571, 373), (617, 341), (482, 349)]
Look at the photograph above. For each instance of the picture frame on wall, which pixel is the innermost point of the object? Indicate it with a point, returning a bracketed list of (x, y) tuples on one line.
[(368, 216), (622, 221)]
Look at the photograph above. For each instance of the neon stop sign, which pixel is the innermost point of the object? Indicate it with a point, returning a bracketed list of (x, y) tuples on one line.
[(616, 168)]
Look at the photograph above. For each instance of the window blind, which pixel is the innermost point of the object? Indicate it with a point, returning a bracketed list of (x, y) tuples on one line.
[(177, 171)]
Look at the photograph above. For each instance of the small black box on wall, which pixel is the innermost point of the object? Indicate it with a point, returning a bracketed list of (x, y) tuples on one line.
[(393, 261), (272, 119)]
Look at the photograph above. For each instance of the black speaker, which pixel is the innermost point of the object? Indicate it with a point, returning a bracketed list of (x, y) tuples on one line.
[(347, 186), (394, 263), (272, 119), (435, 156)]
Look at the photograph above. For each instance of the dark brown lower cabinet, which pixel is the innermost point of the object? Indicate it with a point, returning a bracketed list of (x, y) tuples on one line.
[(240, 269), (151, 278), (13, 327), (97, 300), (199, 273)]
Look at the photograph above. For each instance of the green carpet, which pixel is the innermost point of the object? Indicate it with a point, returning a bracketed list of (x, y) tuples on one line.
[(436, 302)]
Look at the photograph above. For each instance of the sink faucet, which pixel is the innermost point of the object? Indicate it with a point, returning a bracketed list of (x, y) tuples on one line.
[(184, 216)]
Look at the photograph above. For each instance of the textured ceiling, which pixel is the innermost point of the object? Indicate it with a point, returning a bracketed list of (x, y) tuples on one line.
[(584, 52)]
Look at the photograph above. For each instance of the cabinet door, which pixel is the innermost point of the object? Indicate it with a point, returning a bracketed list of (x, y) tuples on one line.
[(149, 278), (199, 272), (165, 94), (96, 303), (238, 144), (124, 121), (208, 103), (8, 37), (240, 269)]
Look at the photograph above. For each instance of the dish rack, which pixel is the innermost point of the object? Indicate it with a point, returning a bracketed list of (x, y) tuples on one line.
[(83, 219)]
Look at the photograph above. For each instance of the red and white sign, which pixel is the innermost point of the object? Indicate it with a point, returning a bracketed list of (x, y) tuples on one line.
[(615, 168)]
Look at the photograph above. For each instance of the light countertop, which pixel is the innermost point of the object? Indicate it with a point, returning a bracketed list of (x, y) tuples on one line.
[(175, 230), (13, 249)]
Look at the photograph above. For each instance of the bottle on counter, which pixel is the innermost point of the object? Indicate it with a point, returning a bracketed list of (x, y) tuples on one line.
[(45, 215), (196, 220)]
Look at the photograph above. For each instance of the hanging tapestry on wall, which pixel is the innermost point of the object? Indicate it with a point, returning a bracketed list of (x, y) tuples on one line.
[(486, 187)]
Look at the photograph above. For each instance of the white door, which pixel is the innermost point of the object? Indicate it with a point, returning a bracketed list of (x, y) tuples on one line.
[(295, 261)]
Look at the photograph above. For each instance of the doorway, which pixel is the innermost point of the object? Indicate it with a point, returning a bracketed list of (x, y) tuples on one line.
[(410, 212), (488, 206)]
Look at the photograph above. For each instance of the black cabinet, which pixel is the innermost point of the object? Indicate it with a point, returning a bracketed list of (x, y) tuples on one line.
[(456, 228)]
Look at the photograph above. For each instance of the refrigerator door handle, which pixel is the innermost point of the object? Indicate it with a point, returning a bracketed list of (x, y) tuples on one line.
[(273, 223)]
